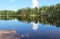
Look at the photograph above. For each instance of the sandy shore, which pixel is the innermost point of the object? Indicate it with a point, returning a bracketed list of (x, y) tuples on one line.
[(8, 34)]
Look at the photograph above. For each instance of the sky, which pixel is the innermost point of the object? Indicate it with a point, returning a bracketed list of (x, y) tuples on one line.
[(18, 4)]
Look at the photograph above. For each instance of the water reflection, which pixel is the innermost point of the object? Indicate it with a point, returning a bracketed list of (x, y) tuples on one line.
[(42, 19), (24, 35), (35, 26)]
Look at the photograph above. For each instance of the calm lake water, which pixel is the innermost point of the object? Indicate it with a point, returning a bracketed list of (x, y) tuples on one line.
[(32, 29)]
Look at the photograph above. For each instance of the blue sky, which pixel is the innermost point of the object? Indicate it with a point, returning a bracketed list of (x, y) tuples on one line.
[(17, 4)]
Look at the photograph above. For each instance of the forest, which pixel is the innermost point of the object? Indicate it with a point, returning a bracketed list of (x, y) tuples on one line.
[(45, 15), (53, 10)]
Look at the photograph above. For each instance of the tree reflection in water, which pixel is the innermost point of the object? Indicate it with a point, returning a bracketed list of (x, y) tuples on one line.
[(52, 20)]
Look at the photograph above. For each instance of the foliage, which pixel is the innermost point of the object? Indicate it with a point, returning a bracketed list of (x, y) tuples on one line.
[(45, 15)]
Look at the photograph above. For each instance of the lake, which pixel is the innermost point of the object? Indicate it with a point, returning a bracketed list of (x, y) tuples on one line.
[(32, 27)]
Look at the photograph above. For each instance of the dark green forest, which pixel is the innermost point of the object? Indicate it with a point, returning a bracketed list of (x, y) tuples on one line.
[(53, 10), (44, 15)]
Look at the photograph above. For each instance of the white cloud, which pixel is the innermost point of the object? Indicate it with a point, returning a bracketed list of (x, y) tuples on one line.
[(12, 0), (35, 3)]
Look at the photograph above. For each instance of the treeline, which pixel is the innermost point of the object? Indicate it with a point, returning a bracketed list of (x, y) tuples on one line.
[(51, 11), (44, 15)]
